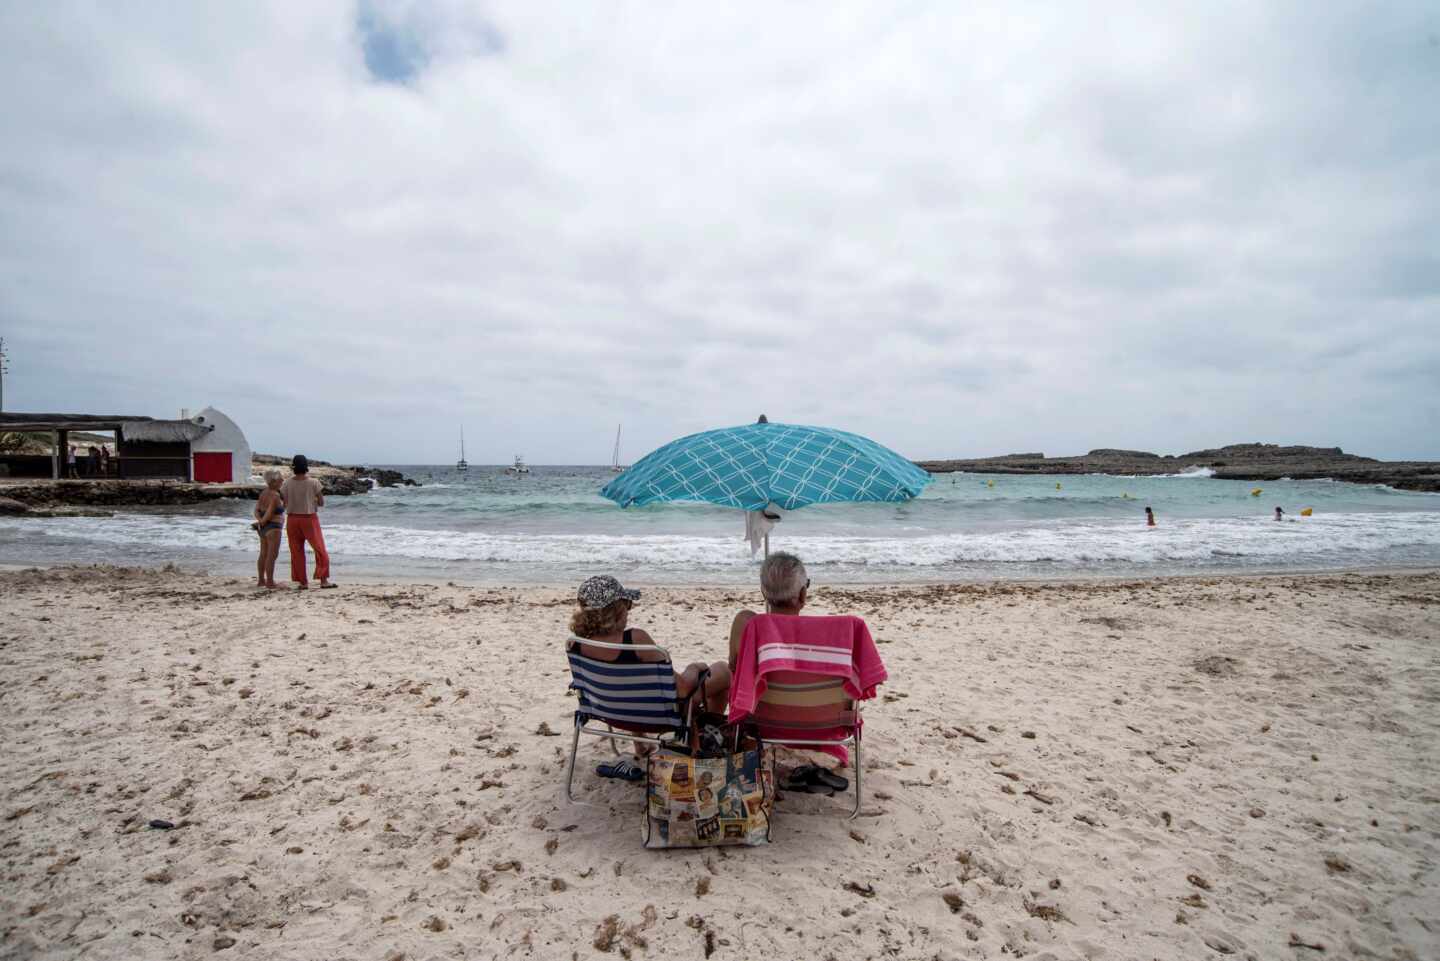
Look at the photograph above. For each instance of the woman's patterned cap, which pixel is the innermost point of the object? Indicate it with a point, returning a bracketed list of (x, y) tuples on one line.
[(602, 591)]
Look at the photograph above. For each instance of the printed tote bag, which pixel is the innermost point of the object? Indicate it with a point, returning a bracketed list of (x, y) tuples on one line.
[(706, 801)]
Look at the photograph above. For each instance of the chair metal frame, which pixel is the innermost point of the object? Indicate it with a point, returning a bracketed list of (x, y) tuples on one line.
[(677, 735), (852, 740)]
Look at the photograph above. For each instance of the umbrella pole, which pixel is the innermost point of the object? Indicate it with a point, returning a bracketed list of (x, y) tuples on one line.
[(767, 545)]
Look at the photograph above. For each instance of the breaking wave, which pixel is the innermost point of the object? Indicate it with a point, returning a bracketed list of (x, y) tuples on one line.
[(1335, 540)]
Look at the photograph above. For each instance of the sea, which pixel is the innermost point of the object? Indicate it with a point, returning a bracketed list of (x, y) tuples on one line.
[(487, 526)]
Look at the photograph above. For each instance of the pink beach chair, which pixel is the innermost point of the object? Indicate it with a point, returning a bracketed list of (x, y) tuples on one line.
[(801, 681)]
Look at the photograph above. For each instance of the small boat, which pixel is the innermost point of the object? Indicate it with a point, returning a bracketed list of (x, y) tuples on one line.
[(518, 467), (615, 460), (461, 464)]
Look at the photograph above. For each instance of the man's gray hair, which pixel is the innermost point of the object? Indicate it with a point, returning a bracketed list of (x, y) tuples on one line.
[(782, 578)]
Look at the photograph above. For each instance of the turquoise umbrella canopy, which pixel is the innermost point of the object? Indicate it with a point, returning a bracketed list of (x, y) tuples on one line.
[(749, 467)]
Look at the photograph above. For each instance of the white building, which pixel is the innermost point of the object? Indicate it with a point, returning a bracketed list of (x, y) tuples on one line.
[(222, 454)]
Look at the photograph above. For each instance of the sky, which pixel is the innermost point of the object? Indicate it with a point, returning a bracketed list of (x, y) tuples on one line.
[(960, 229)]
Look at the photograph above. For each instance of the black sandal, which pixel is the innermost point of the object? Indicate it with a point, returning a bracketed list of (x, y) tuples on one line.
[(815, 774), (800, 782), (624, 769)]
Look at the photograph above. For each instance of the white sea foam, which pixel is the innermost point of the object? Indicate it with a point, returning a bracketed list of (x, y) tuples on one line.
[(1400, 490), (1192, 472), (1200, 542), (404, 488)]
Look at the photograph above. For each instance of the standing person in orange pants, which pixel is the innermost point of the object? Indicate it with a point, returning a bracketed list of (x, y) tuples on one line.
[(302, 499)]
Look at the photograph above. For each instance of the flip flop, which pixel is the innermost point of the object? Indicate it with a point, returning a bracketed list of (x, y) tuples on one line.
[(623, 769), (800, 782), (326, 587), (815, 774), (805, 787)]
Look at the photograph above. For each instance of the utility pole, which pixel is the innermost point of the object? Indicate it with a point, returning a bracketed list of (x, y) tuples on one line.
[(4, 369)]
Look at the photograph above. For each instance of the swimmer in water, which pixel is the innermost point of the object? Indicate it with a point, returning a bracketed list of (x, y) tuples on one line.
[(1149, 517), (1279, 514)]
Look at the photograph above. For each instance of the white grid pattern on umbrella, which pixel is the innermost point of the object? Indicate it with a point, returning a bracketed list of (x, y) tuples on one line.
[(758, 464)]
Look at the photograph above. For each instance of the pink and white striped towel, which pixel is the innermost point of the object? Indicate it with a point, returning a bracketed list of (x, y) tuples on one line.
[(837, 646)]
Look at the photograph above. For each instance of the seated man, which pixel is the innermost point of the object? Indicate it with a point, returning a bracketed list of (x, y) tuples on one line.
[(784, 584)]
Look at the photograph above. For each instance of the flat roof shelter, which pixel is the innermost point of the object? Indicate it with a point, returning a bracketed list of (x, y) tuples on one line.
[(145, 448)]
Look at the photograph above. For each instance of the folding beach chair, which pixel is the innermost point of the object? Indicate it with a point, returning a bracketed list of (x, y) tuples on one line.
[(633, 702), (812, 712)]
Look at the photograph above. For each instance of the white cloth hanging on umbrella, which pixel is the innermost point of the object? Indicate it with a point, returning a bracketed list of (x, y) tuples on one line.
[(758, 525)]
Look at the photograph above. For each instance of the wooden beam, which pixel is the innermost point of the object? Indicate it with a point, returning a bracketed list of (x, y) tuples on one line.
[(67, 425)]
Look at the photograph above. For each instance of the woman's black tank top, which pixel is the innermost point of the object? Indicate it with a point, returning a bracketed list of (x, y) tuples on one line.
[(628, 657)]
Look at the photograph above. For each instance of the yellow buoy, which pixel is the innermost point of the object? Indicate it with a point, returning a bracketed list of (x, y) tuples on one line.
[(990, 483), (1256, 492), (1057, 487), (1307, 512)]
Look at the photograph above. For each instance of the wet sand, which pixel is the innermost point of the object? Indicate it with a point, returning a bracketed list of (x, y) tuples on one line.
[(1200, 767)]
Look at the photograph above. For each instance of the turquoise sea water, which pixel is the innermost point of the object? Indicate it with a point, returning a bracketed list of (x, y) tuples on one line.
[(553, 527)]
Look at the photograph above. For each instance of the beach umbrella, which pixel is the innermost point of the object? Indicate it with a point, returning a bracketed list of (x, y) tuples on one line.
[(754, 466)]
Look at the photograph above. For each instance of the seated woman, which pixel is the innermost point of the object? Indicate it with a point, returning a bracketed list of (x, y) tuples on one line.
[(602, 613)]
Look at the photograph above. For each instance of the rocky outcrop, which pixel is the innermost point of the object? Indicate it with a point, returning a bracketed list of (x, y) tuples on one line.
[(52, 498), (1274, 453), (1262, 462), (50, 494), (278, 460), (337, 479), (384, 477), (342, 485), (1112, 453), (53, 494)]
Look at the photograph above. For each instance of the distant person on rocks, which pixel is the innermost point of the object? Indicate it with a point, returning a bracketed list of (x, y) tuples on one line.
[(92, 461), (303, 497), (269, 509), (1149, 517), (70, 462), (104, 461)]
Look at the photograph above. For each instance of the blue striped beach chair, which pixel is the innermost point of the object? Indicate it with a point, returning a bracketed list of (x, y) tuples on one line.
[(634, 702)]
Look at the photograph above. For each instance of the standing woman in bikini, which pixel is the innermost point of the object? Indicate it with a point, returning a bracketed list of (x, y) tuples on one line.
[(269, 513)]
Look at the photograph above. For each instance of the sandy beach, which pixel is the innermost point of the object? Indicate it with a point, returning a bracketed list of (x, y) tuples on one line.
[(1176, 769)]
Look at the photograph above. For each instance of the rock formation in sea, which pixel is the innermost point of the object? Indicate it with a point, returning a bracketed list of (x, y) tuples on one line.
[(1262, 462)]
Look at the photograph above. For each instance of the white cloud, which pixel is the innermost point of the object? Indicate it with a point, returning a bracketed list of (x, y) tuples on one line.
[(958, 231)]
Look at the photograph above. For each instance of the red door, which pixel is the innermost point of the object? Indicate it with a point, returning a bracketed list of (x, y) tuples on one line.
[(212, 467)]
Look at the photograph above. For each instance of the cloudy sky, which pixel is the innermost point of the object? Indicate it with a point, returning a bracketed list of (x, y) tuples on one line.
[(962, 229)]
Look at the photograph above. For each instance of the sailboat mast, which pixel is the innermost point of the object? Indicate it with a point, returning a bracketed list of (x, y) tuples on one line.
[(615, 460)]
